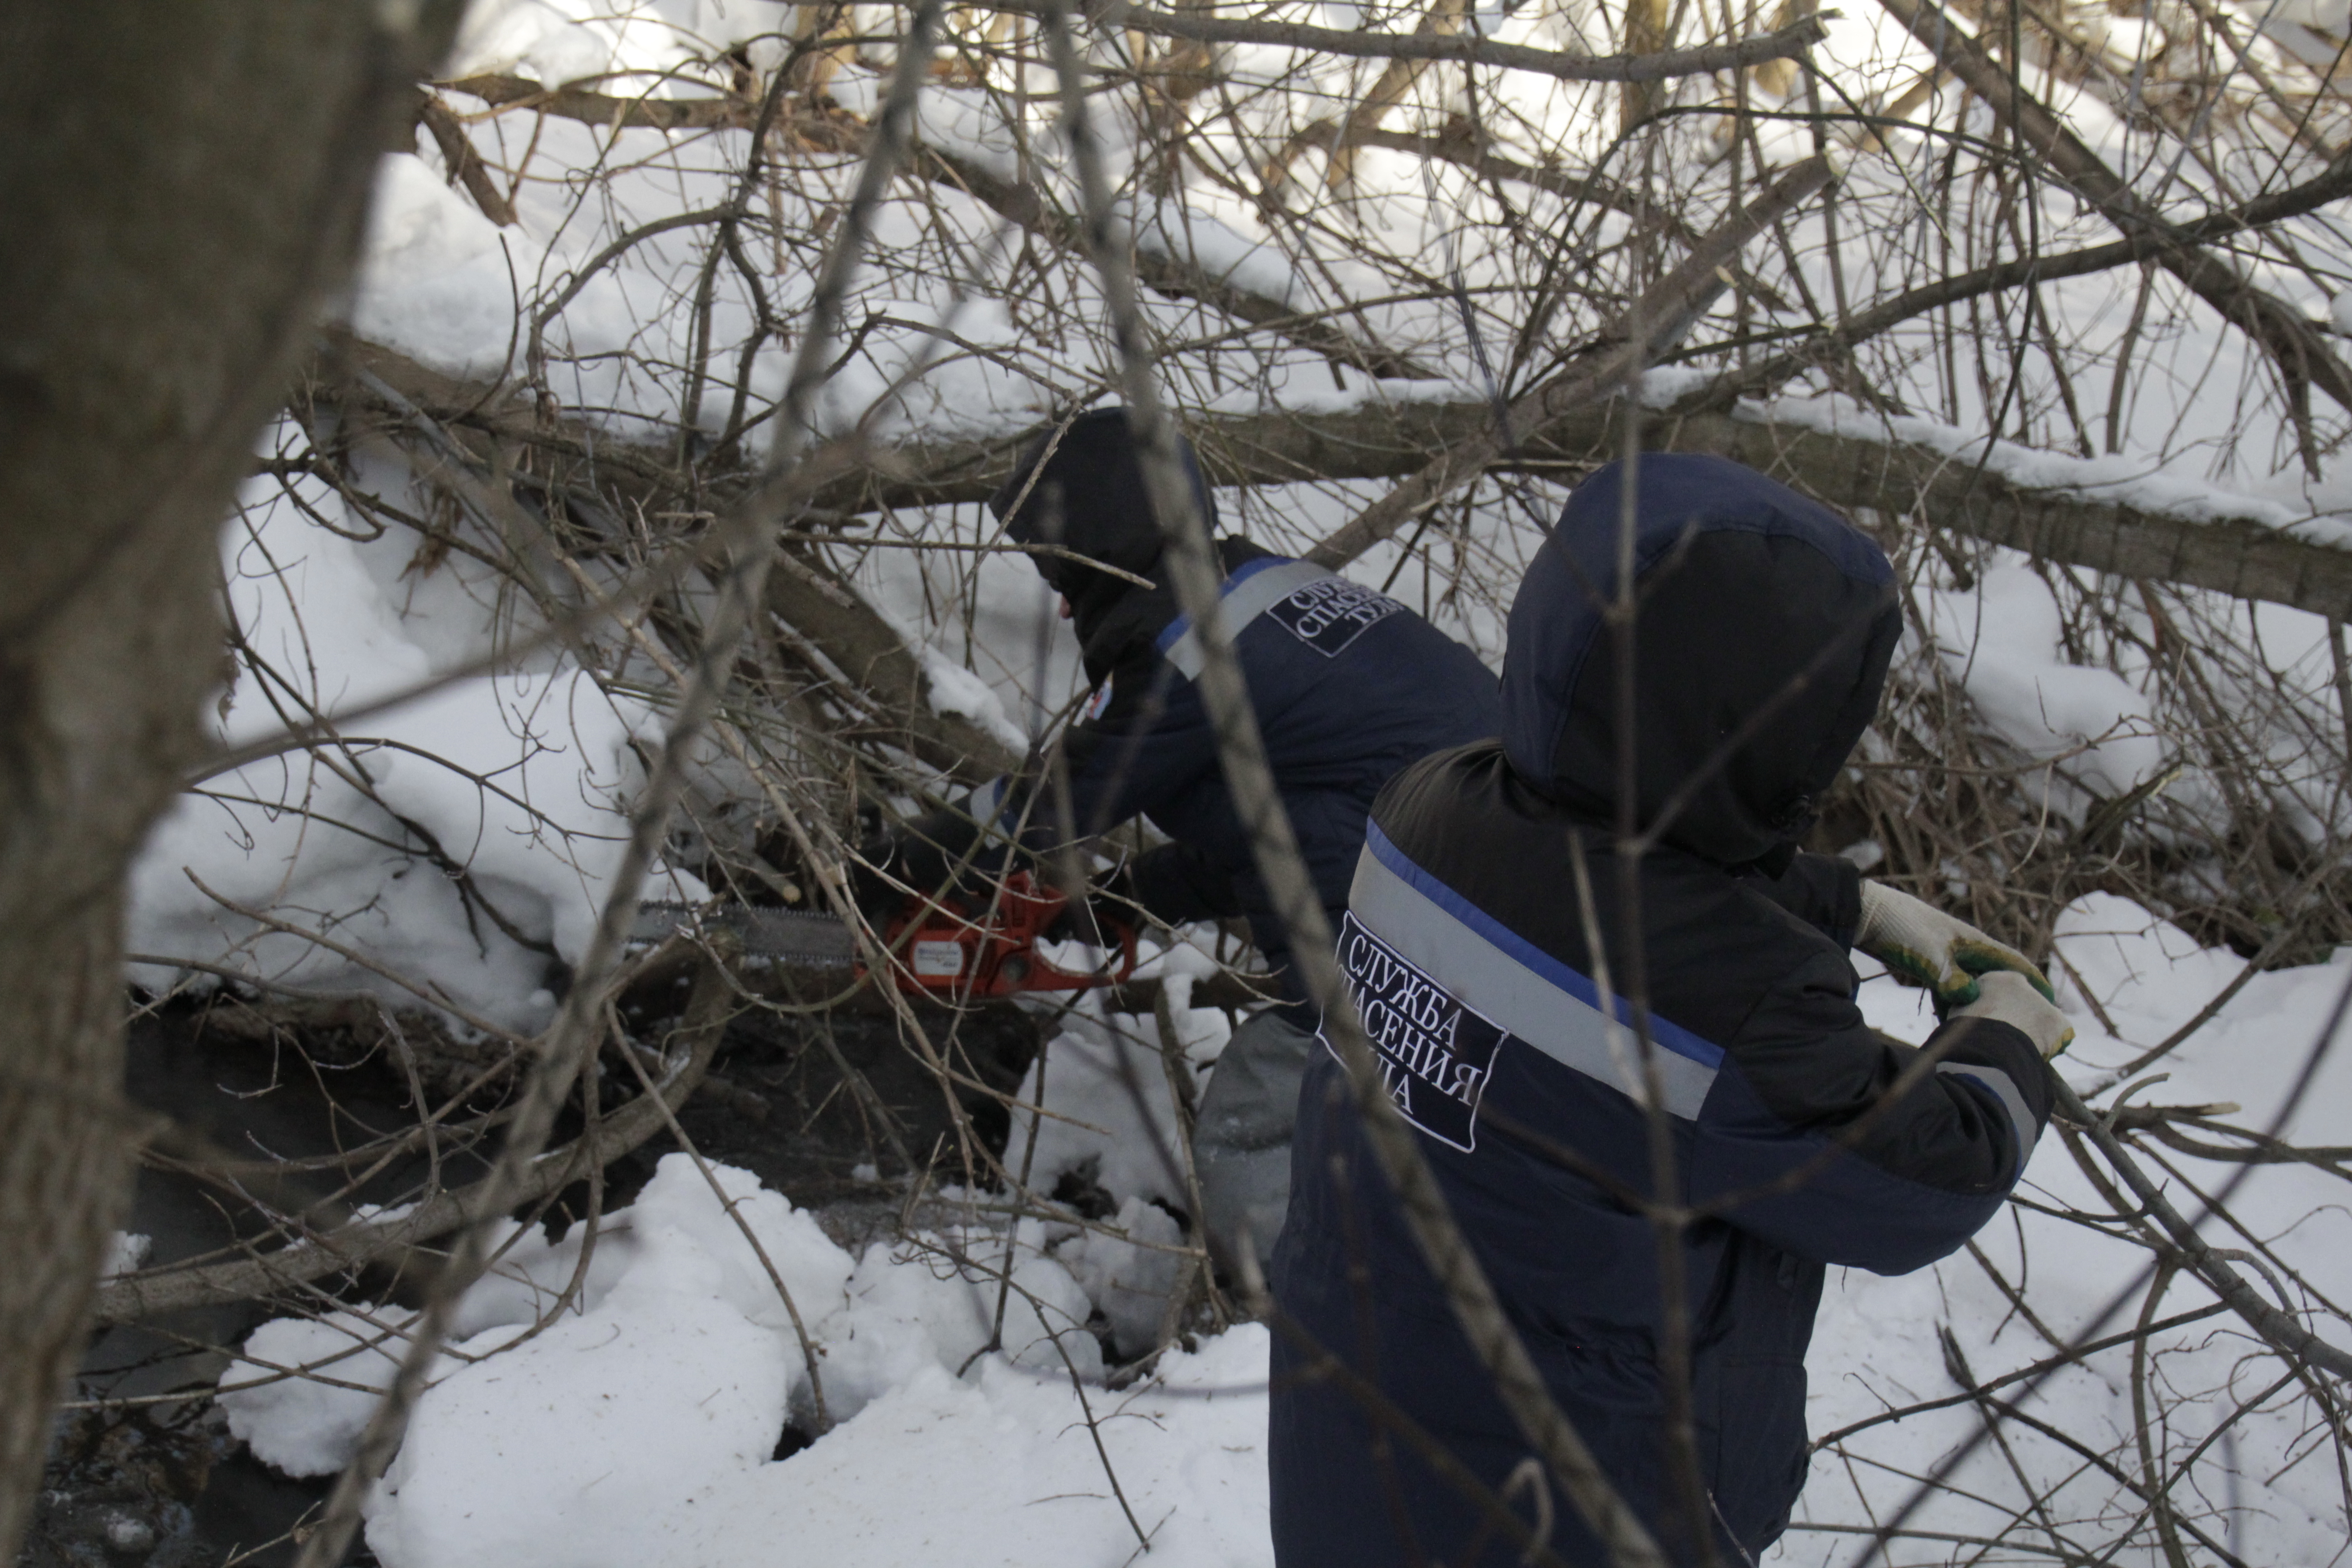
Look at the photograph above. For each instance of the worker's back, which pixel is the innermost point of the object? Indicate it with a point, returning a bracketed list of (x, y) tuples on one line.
[(1349, 688), (1475, 969), (1347, 685)]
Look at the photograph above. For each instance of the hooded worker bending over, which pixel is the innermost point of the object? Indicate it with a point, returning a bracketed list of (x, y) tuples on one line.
[(1798, 1136), (1349, 686)]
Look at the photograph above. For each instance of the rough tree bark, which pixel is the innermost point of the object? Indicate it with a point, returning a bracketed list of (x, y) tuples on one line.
[(186, 185)]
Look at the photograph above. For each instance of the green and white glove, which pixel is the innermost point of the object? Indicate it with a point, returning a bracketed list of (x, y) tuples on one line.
[(2010, 998), (1921, 944)]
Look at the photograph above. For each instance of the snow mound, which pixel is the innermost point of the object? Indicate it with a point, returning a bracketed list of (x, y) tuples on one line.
[(632, 1420), (1003, 1470), (952, 690), (519, 779), (1131, 1279), (433, 277), (1104, 1079), (307, 1388), (2002, 640)]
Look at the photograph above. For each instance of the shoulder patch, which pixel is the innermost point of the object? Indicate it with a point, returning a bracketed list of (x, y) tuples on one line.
[(1330, 613)]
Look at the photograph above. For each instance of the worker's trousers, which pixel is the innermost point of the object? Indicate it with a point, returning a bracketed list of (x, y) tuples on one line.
[(1241, 1141)]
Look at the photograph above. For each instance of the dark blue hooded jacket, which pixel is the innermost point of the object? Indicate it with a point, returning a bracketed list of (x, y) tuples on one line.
[(1765, 628), (1349, 687)]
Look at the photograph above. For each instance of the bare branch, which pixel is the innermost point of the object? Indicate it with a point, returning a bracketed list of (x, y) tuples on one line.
[(1788, 43)]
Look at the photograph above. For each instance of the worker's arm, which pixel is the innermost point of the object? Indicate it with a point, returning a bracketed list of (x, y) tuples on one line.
[(1806, 1142), (1150, 743), (1175, 884), (1915, 940), (1823, 890)]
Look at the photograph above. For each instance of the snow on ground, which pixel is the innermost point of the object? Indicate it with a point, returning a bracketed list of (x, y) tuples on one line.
[(1001, 1469), (1876, 1343), (635, 1424), (1113, 1123), (2001, 641)]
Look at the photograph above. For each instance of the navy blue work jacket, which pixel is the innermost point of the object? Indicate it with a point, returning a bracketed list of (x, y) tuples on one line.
[(1798, 1136), (1471, 979), (1349, 687)]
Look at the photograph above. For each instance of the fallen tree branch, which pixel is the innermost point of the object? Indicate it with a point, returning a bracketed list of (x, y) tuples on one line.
[(345, 1029), (150, 1292), (466, 165), (2280, 1328), (2246, 556), (611, 110)]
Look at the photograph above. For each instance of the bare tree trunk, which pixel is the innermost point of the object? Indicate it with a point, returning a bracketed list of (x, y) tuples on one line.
[(183, 184), (1647, 24)]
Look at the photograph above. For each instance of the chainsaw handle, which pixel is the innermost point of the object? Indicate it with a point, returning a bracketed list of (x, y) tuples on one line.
[(956, 952), (1033, 971)]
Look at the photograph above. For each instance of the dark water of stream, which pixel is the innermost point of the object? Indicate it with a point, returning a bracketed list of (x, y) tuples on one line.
[(154, 1477), (160, 1481)]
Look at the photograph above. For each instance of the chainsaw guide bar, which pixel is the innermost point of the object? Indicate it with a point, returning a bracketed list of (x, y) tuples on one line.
[(820, 942), (958, 947)]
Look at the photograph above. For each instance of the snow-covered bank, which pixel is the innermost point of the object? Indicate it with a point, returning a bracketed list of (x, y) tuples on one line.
[(463, 841)]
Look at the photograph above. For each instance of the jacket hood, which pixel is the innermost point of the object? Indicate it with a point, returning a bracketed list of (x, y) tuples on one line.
[(1752, 600), (1086, 492)]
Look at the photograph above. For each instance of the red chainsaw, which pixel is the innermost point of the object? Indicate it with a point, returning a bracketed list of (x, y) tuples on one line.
[(957, 947)]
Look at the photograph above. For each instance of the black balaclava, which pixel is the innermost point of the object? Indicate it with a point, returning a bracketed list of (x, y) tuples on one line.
[(1751, 598), (1090, 497)]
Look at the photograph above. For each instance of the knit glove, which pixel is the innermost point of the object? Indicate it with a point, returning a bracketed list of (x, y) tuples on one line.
[(2008, 998), (1922, 944)]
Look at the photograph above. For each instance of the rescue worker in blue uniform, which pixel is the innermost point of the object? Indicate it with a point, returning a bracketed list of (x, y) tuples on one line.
[(1800, 1137), (1349, 687)]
